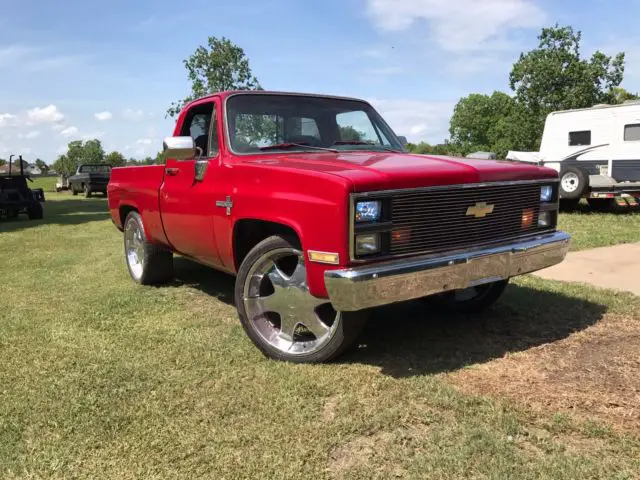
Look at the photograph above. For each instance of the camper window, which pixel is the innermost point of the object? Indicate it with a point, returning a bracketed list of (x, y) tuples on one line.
[(580, 138), (632, 133)]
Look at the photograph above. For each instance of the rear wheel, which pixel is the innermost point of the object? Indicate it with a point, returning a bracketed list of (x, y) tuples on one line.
[(12, 213), (87, 190), (35, 211), (280, 315), (473, 299), (73, 190), (148, 264)]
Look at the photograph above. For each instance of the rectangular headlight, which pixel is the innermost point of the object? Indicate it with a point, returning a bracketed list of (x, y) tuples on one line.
[(367, 244), (546, 193), (368, 211), (544, 219)]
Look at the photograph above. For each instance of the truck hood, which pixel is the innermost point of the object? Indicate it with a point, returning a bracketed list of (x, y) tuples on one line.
[(369, 171)]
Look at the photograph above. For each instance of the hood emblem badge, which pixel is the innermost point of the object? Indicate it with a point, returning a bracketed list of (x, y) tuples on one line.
[(480, 210)]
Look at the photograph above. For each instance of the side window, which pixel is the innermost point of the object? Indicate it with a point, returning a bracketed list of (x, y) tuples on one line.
[(197, 125), (355, 126), (582, 138), (632, 133)]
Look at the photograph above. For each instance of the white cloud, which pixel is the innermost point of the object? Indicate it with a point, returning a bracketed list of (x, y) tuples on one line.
[(29, 135), (133, 115), (418, 120), (6, 119), (69, 131), (48, 114), (103, 116), (58, 126), (62, 149), (457, 25), (144, 141)]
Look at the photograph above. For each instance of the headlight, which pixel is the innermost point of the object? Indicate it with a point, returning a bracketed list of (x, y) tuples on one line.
[(368, 211), (546, 193), (544, 219), (367, 244)]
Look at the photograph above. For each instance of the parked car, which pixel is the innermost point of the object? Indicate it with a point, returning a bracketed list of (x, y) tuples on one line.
[(320, 224), (596, 152), (89, 179), (15, 195)]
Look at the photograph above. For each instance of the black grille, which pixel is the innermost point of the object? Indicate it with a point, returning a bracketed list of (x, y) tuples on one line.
[(436, 220)]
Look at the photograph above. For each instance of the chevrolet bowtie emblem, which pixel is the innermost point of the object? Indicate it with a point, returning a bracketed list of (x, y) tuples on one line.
[(480, 209)]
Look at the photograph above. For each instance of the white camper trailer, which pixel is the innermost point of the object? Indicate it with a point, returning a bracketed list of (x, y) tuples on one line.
[(596, 151)]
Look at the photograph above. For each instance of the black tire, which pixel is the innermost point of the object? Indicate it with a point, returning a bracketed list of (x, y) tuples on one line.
[(486, 296), (602, 204), (157, 262), (12, 213), (73, 190), (574, 182), (35, 211), (87, 190), (346, 331)]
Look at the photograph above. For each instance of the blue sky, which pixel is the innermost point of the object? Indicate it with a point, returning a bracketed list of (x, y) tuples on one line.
[(77, 70)]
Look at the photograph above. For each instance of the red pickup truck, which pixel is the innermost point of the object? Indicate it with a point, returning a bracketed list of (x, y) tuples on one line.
[(315, 206)]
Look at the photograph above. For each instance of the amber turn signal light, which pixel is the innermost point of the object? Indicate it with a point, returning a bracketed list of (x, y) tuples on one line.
[(527, 218)]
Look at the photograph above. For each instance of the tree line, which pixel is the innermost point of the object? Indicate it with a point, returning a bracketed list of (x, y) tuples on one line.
[(554, 76), (91, 151)]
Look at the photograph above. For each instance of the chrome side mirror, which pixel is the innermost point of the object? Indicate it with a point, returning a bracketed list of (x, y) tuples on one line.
[(403, 140), (180, 148)]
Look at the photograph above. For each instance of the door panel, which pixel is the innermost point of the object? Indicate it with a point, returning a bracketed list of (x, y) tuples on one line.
[(187, 195)]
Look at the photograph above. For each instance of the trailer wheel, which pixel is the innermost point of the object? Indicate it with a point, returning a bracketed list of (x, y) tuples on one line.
[(574, 182)]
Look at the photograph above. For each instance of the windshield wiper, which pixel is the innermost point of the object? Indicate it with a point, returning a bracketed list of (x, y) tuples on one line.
[(284, 146), (359, 142)]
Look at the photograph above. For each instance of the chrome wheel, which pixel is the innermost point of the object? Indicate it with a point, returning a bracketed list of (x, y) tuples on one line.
[(134, 248), (279, 307), (570, 182)]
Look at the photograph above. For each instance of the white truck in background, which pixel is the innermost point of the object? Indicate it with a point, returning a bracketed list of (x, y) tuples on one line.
[(596, 152)]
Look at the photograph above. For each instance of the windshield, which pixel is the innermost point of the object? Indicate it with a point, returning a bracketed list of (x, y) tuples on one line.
[(267, 123), (95, 168)]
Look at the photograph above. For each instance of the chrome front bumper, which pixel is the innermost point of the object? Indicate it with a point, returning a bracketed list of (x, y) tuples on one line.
[(405, 279)]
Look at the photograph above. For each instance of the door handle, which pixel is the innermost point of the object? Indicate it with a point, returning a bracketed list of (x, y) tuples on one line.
[(172, 171)]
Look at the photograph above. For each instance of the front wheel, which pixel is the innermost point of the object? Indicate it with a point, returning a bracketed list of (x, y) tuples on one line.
[(35, 211), (87, 190), (280, 315), (473, 299)]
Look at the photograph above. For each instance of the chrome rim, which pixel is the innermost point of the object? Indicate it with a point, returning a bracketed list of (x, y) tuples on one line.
[(280, 308), (134, 248), (570, 182)]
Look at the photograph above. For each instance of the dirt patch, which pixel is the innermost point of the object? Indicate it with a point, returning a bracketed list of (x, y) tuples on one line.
[(594, 374), (362, 450), (329, 409)]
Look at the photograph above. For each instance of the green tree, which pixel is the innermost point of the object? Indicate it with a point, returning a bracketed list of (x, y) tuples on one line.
[(41, 165), (219, 66), (64, 165), (92, 151), (115, 159), (350, 134), (495, 123), (553, 76), (619, 95), (2, 162)]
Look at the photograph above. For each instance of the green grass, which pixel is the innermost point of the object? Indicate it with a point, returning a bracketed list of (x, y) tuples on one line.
[(593, 229), (48, 184), (101, 378)]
